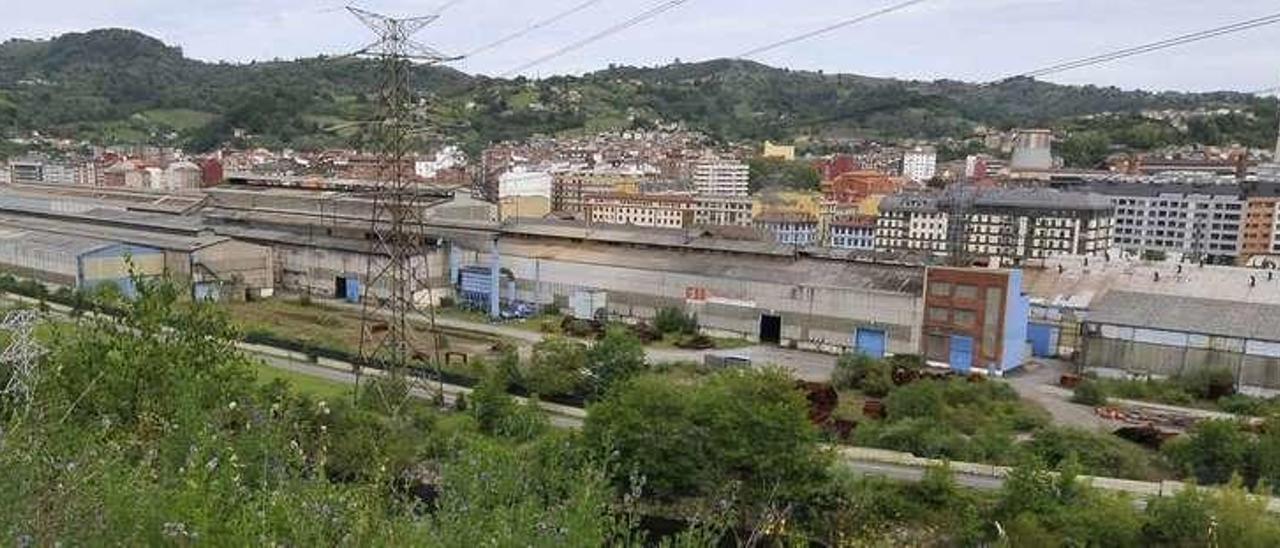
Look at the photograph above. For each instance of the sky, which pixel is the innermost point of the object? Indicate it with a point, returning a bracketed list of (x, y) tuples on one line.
[(972, 40)]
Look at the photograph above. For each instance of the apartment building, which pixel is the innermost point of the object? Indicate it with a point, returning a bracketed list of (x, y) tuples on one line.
[(913, 223), (722, 210), (1018, 224), (570, 188), (1260, 233), (791, 229), (1010, 225), (920, 164), (650, 211), (721, 178), (1200, 220), (852, 233)]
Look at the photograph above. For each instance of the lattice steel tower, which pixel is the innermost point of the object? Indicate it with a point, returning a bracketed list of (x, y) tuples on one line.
[(397, 259)]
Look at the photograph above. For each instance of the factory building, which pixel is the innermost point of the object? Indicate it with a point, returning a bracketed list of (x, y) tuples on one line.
[(975, 319), (1171, 336), (71, 243), (1156, 318), (768, 295)]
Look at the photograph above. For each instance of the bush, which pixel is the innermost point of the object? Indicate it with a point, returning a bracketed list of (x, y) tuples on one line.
[(614, 359), (1209, 384), (558, 367), (745, 428), (861, 372), (1091, 393), (672, 320), (1211, 452)]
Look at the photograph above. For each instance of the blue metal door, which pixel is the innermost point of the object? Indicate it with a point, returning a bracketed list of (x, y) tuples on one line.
[(870, 342), (353, 289), (961, 353), (1041, 337)]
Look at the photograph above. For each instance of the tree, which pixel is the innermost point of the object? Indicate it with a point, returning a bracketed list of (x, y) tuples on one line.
[(557, 367), (614, 359), (1085, 150), (737, 428), (1212, 451), (777, 172)]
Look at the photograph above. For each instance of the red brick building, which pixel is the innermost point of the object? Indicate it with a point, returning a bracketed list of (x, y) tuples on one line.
[(975, 319)]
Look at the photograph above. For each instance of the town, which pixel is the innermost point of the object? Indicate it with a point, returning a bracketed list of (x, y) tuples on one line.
[(493, 311)]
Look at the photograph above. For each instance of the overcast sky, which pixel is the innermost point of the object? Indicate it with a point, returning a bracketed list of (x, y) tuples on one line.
[(972, 40)]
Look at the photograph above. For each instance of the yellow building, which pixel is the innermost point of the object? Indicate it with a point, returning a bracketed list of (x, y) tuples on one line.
[(785, 152)]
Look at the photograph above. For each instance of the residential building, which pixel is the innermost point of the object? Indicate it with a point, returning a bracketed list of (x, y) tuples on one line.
[(570, 188), (524, 194), (651, 211), (791, 229), (1032, 151), (1007, 225), (920, 164), (781, 152), (721, 178), (182, 176), (1200, 220), (855, 186), (1260, 233), (912, 223), (975, 320), (723, 210), (835, 166), (852, 233), (1019, 224), (26, 171)]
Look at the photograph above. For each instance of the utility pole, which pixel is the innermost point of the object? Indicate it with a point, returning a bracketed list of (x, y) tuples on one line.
[(389, 297)]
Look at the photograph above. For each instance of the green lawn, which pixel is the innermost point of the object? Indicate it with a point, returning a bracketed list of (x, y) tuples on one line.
[(178, 118), (306, 384)]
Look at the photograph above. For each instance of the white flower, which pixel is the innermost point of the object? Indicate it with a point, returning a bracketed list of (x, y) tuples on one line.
[(231, 406)]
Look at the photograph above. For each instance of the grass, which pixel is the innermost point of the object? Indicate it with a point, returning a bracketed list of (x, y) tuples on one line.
[(179, 119), (336, 328), (306, 384)]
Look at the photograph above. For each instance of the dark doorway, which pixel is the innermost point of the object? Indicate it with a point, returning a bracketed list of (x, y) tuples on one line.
[(340, 287), (770, 329)]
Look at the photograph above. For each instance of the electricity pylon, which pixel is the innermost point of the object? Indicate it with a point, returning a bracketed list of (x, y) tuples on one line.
[(398, 250)]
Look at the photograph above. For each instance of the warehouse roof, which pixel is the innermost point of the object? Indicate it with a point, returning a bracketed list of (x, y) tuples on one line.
[(1188, 315)]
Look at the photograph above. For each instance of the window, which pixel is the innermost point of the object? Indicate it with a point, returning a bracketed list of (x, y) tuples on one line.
[(966, 292), (937, 314), (940, 289), (965, 318)]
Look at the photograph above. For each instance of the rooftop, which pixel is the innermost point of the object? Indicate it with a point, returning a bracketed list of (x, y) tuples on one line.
[(1188, 315)]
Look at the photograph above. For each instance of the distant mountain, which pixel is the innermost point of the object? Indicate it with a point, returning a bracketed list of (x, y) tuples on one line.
[(120, 85)]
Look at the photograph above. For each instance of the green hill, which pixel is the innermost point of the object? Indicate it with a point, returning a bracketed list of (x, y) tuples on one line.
[(119, 84)]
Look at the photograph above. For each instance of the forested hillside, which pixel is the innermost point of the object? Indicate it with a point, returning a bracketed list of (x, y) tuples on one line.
[(122, 86)]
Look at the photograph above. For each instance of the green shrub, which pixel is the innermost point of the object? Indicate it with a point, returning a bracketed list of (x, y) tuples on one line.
[(1091, 393), (674, 320), (1209, 384), (1212, 451), (861, 372)]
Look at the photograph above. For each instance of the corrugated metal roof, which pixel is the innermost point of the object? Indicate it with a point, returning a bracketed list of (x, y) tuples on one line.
[(1188, 315)]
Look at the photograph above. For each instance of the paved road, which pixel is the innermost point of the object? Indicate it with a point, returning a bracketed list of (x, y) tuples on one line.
[(1032, 382)]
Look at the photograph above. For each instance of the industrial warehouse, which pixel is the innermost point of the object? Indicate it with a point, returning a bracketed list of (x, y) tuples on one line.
[(241, 242)]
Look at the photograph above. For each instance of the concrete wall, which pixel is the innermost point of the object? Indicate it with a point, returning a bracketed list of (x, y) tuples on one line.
[(248, 265), (308, 269)]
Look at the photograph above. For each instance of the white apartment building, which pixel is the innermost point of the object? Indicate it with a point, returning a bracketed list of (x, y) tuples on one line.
[(1201, 220), (1010, 225), (920, 164), (721, 178), (1038, 223), (857, 234), (911, 223)]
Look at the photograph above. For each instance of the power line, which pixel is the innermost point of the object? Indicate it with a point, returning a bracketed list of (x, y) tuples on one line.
[(533, 27), (1154, 46), (836, 26), (633, 21)]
